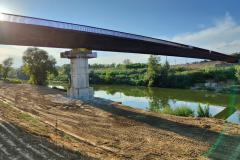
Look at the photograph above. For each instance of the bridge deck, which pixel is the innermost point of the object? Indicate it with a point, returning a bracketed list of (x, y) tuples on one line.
[(29, 31)]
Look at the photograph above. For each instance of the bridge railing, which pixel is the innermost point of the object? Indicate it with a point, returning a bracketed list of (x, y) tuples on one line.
[(82, 28)]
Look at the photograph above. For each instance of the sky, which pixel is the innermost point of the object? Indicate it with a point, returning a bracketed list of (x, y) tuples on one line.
[(210, 24)]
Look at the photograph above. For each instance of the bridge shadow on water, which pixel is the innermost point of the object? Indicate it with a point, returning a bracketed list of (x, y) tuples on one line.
[(223, 146)]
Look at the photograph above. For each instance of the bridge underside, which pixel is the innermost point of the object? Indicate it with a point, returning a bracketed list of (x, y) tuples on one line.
[(27, 31)]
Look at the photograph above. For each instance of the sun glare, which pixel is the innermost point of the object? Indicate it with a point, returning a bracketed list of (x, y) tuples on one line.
[(3, 10), (1, 16)]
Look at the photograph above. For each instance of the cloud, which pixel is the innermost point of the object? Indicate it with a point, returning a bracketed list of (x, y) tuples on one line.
[(224, 36)]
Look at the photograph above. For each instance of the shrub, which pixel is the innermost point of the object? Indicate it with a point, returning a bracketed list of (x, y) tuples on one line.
[(183, 111), (203, 111), (167, 110), (14, 81), (237, 74), (179, 111)]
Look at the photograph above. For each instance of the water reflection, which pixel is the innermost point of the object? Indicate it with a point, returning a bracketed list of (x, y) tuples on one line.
[(154, 99), (234, 117)]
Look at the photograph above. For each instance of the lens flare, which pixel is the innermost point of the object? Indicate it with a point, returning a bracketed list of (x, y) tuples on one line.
[(3, 9), (1, 16)]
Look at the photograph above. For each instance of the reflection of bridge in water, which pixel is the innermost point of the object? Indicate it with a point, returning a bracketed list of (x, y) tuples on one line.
[(28, 31)]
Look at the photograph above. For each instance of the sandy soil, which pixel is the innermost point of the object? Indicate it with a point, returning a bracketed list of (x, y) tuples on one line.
[(106, 130), (16, 144)]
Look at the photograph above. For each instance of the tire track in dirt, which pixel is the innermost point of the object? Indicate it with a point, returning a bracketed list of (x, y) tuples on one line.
[(11, 148), (18, 145)]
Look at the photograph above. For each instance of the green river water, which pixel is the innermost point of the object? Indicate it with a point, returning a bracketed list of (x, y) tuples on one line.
[(221, 105)]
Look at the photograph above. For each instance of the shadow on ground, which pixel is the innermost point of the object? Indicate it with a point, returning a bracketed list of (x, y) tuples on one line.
[(15, 143), (223, 146)]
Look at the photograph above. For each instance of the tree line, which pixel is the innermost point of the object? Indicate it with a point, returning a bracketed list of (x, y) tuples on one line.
[(37, 65), (40, 68)]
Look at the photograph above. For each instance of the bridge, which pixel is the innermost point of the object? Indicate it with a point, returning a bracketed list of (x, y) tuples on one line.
[(29, 31)]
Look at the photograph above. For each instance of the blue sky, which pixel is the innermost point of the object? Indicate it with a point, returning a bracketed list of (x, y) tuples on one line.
[(210, 24)]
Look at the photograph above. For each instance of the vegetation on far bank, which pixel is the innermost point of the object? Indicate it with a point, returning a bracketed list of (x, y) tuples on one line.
[(156, 74), (40, 68)]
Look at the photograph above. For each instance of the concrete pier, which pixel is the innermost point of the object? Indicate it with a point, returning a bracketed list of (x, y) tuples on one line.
[(79, 83)]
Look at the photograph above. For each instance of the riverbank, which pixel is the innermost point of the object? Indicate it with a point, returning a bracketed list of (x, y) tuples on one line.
[(107, 130), (228, 87)]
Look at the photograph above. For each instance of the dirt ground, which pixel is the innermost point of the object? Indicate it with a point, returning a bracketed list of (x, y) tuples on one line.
[(16, 144), (103, 129)]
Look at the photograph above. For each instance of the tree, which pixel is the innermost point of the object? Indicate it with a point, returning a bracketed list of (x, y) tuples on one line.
[(37, 65), (109, 77), (6, 67), (153, 70), (65, 69), (20, 74), (163, 79), (126, 61), (237, 54), (237, 74)]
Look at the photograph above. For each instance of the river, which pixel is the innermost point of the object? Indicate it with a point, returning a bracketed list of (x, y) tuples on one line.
[(221, 105)]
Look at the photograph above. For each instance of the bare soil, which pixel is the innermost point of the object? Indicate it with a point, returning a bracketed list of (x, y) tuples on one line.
[(15, 143), (103, 129), (202, 65)]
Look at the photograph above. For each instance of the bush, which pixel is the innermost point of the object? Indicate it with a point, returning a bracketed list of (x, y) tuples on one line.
[(237, 74), (167, 110), (14, 81), (183, 111), (203, 111), (179, 111)]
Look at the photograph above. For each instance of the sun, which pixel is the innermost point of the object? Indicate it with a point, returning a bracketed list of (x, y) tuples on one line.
[(3, 10)]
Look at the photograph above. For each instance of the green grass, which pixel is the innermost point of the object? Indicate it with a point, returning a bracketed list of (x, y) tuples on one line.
[(183, 111), (203, 111), (26, 117), (14, 81), (238, 107), (179, 111), (68, 138), (167, 110)]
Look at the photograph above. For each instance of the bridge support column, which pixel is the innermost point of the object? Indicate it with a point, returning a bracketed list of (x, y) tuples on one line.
[(79, 79)]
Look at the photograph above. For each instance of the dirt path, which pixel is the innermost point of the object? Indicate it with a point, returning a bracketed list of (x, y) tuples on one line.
[(112, 131)]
